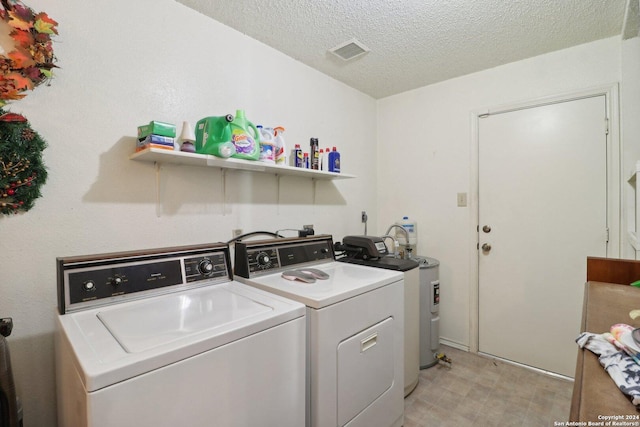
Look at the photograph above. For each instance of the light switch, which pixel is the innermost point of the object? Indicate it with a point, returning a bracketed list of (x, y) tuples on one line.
[(462, 200)]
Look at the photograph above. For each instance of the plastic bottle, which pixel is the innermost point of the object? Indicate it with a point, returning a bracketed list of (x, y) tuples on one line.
[(225, 150), (213, 136), (298, 158), (245, 137), (314, 154), (412, 230), (267, 145), (322, 160), (334, 160), (280, 147), (306, 160)]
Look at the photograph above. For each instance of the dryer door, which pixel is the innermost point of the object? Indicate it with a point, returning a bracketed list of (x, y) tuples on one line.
[(365, 369)]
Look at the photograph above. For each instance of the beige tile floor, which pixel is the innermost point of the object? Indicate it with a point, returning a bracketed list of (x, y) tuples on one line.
[(479, 391)]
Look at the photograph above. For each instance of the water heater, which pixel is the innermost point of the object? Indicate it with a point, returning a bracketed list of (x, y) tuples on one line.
[(429, 311)]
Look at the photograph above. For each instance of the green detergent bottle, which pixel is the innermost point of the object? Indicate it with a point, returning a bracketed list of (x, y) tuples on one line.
[(213, 136), (246, 137)]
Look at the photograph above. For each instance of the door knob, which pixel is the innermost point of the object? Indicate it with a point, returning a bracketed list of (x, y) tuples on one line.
[(486, 247), (486, 229)]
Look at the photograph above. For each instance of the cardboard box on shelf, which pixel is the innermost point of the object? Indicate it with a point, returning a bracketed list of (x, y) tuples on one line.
[(156, 141), (157, 128)]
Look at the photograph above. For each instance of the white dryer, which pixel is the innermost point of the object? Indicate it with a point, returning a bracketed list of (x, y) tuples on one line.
[(166, 338), (355, 328)]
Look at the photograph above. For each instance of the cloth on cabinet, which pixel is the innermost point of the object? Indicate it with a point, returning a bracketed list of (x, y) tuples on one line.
[(620, 366)]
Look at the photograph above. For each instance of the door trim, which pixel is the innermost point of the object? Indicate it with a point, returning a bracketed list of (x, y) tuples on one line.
[(614, 188)]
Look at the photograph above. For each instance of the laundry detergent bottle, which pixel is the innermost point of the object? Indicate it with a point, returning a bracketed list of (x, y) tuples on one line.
[(267, 145), (213, 136), (245, 136), (280, 146)]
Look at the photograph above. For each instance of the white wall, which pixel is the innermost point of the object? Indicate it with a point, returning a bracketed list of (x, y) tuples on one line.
[(424, 146), (126, 63), (123, 64)]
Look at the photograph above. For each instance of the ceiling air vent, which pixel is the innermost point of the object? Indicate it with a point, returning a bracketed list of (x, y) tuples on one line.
[(349, 50)]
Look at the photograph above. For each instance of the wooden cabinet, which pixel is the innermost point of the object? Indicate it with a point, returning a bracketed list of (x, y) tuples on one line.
[(608, 299)]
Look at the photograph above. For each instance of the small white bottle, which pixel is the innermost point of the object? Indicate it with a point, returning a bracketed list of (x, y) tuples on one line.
[(280, 146)]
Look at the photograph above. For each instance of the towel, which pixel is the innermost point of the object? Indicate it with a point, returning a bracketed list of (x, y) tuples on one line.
[(620, 366)]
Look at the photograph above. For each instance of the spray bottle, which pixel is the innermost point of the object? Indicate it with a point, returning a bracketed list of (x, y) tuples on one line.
[(298, 158), (314, 154)]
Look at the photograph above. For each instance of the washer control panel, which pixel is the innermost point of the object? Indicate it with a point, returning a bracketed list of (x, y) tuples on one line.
[(263, 259), (86, 282), (255, 258)]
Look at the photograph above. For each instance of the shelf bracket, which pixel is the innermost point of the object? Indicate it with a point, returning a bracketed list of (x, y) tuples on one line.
[(158, 206), (224, 191), (278, 176), (315, 183)]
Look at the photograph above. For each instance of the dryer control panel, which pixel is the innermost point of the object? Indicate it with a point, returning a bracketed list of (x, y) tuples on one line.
[(258, 257), (90, 281)]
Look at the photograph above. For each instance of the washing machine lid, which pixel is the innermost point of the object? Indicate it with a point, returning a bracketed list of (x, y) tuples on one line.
[(345, 281), (115, 343), (154, 323)]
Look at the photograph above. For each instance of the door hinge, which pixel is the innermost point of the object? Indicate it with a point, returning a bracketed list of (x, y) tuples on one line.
[(607, 235), (606, 127)]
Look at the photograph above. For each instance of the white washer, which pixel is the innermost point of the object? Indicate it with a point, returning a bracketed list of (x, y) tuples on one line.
[(355, 329), (165, 338)]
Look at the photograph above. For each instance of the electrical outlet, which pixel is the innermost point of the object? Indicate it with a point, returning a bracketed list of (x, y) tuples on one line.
[(307, 227), (462, 200), (236, 232)]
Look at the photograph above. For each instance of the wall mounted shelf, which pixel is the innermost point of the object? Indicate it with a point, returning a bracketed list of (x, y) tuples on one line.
[(158, 155)]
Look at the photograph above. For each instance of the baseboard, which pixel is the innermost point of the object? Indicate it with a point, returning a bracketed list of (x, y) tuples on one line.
[(454, 344)]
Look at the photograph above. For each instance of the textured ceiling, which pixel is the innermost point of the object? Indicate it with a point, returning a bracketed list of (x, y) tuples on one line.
[(418, 42)]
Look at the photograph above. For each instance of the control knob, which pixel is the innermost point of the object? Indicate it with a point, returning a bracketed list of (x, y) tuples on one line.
[(116, 281), (89, 286), (205, 267), (264, 261)]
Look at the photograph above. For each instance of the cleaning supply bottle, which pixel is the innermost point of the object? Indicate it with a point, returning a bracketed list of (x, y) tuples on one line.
[(314, 154), (280, 148), (306, 160), (412, 230), (245, 137), (267, 145), (298, 158), (334, 160), (213, 136), (322, 160)]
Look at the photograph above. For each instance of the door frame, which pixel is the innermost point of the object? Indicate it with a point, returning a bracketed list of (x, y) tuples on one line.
[(614, 187)]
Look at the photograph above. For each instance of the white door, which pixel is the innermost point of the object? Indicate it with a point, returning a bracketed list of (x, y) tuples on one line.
[(542, 204)]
